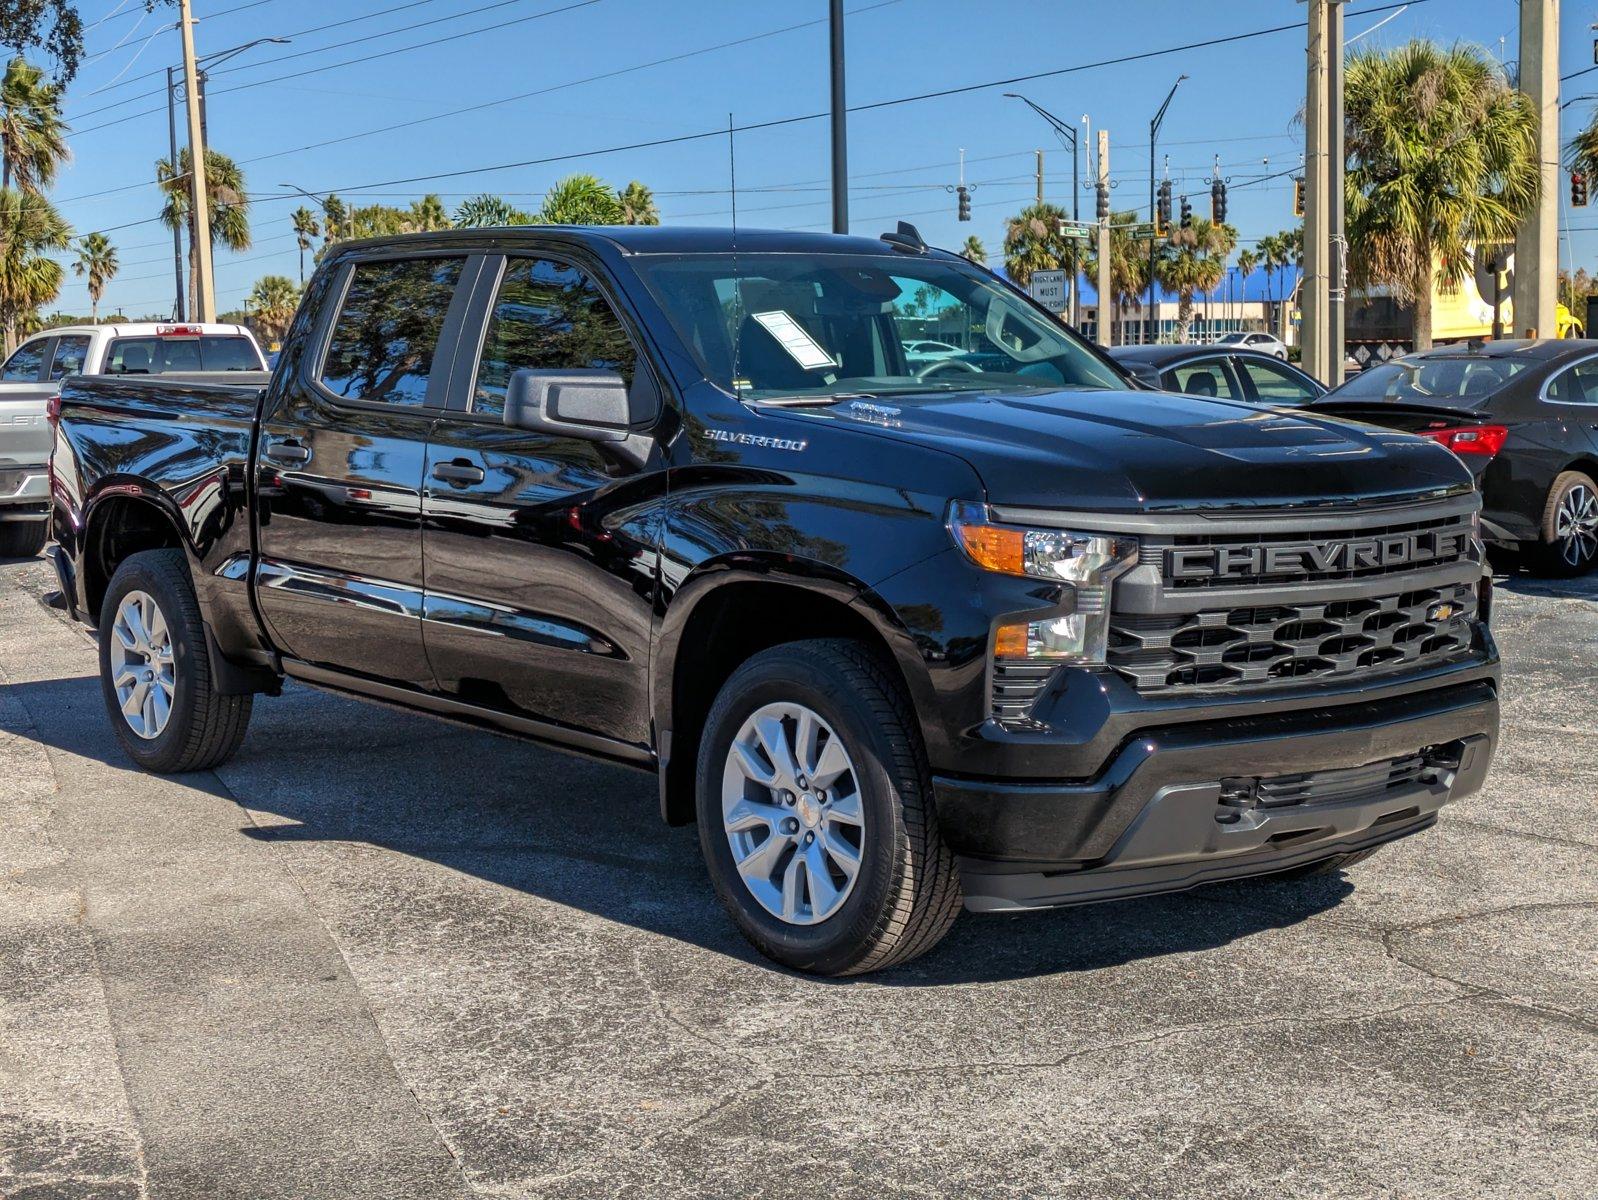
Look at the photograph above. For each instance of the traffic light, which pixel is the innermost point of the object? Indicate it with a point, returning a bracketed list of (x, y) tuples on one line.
[(1104, 203), (1162, 209), (1218, 202), (1298, 196), (1187, 214), (1578, 190), (964, 194)]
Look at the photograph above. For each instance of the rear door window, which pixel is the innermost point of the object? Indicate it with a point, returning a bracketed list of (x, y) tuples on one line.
[(386, 333), (24, 365), (1576, 385), (1206, 377), (69, 357)]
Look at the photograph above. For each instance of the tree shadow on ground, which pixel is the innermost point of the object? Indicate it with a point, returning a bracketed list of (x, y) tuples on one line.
[(322, 769)]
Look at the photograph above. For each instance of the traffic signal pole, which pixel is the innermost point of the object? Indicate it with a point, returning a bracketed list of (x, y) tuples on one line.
[(177, 226), (204, 294), (1336, 169), (1106, 329), (1537, 244), (840, 127), (1314, 297)]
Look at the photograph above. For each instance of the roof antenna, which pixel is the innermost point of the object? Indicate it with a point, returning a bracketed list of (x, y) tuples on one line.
[(737, 281)]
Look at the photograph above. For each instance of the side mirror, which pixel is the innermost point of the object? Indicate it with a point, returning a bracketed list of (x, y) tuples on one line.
[(588, 404)]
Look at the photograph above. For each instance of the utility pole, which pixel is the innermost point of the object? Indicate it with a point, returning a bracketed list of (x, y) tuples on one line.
[(1336, 170), (1154, 221), (178, 314), (204, 296), (1537, 244), (840, 128), (1315, 300), (1105, 284), (1040, 179)]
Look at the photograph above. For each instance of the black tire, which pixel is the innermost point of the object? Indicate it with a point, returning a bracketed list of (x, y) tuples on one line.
[(1327, 866), (23, 539), (907, 892), (1565, 557), (204, 728)]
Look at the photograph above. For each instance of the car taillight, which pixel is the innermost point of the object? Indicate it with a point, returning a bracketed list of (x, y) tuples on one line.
[(52, 411), (1473, 439)]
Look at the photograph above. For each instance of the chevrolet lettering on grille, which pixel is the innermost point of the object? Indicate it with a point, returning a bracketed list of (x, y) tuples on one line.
[(1315, 558)]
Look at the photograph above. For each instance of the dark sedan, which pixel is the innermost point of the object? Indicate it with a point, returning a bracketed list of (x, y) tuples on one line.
[(1523, 415), (1220, 370)]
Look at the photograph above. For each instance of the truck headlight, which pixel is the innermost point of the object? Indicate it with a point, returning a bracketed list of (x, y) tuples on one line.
[(1087, 563)]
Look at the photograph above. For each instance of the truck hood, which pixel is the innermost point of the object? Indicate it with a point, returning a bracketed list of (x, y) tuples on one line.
[(1112, 451)]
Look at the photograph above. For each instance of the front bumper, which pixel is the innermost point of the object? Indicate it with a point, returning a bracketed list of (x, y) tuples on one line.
[(1154, 818)]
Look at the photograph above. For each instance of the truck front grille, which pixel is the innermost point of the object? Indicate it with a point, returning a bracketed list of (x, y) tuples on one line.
[(1280, 644)]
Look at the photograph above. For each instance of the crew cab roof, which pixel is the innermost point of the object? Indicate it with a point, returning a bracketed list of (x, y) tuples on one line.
[(641, 239)]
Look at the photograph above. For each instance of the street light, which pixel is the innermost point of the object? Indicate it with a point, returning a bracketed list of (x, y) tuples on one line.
[(172, 141), (1068, 139), (1154, 133)]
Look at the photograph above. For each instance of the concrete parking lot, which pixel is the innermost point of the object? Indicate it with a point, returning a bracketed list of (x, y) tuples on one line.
[(380, 956)]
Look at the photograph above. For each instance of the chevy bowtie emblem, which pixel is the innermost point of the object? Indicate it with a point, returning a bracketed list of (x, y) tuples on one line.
[(1442, 612)]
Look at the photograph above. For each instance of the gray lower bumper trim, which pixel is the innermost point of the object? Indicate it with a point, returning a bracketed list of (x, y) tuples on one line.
[(1177, 843)]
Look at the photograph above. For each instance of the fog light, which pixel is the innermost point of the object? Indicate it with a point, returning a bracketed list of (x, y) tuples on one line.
[(1063, 637)]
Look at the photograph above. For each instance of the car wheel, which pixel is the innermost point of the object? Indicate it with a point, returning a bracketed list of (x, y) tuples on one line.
[(1570, 526), (155, 674), (23, 539), (816, 816)]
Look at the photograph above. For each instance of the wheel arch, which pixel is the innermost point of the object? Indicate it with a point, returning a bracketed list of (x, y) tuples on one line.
[(732, 608), (121, 520)]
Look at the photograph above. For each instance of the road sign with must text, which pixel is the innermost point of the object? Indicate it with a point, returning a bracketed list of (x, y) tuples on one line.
[(1048, 289)]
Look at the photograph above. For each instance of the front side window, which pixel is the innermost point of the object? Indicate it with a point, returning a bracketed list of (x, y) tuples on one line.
[(818, 326), (23, 366), (382, 344), (70, 355), (1207, 377), (1275, 384), (548, 316), (1576, 385)]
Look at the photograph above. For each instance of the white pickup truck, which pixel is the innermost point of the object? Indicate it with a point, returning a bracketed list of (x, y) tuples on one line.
[(32, 376)]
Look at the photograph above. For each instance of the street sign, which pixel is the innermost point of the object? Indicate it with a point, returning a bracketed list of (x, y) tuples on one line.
[(1139, 232), (1077, 231), (1048, 289)]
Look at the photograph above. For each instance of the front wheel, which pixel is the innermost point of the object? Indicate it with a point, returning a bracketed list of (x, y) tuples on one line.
[(816, 816), (1570, 526), (155, 674)]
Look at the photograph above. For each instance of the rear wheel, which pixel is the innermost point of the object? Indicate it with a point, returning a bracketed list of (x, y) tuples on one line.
[(815, 812), (22, 539), (1570, 526), (155, 674)]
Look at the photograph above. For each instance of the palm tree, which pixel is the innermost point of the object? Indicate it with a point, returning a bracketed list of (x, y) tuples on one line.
[(1194, 260), (1247, 263), (638, 205), (974, 251), (335, 219), (486, 212), (305, 229), (33, 141), (29, 226), (581, 200), (1032, 242), (271, 303), (97, 259), (1442, 156), (1129, 268), (229, 205), (426, 215)]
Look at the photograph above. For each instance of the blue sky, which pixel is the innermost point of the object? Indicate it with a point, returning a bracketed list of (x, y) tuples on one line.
[(1239, 103)]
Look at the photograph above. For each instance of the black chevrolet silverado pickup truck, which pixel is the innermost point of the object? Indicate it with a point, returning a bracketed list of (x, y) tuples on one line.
[(894, 629)]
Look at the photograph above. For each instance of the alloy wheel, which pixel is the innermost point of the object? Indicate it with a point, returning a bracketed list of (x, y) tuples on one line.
[(142, 667), (793, 814), (1576, 526)]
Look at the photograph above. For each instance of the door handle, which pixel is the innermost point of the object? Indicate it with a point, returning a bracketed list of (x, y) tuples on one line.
[(458, 472), (287, 452)]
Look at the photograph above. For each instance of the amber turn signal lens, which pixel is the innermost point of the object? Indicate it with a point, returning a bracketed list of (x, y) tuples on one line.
[(994, 548), (1011, 642)]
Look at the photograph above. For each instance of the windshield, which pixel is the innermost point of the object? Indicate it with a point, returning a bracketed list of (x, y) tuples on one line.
[(1422, 379), (1233, 339), (815, 327)]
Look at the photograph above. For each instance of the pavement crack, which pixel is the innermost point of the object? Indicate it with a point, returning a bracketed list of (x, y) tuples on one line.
[(1571, 843)]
